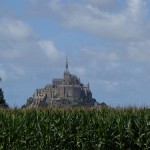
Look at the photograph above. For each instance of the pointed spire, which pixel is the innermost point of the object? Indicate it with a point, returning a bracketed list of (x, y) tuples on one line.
[(66, 69), (66, 63)]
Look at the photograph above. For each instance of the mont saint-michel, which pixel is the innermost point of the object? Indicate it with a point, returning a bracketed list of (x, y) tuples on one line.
[(68, 90)]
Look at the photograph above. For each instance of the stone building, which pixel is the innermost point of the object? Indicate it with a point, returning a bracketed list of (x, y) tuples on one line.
[(69, 87)]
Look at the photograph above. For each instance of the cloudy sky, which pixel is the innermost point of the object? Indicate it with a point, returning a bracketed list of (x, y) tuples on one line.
[(107, 43)]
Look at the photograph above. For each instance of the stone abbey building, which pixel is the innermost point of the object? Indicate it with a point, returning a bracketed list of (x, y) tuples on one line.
[(69, 87)]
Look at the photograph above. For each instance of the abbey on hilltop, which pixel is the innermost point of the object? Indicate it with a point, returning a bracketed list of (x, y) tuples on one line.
[(69, 89)]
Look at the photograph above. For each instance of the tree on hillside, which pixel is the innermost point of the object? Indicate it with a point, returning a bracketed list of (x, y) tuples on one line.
[(2, 100)]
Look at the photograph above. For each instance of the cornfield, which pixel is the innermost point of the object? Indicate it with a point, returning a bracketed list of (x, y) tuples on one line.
[(75, 129)]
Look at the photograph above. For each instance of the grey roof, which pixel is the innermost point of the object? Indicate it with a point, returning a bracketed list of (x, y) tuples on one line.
[(57, 80)]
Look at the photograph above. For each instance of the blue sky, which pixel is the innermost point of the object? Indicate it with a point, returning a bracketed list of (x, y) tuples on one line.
[(107, 43)]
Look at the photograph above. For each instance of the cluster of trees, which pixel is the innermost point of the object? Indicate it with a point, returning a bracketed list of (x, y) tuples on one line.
[(2, 100)]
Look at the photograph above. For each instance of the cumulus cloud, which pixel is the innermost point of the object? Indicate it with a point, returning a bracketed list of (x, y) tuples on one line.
[(21, 50), (50, 50), (110, 86), (10, 54), (101, 55), (139, 52), (101, 3), (19, 71), (124, 24), (81, 71), (137, 9), (14, 29), (128, 25)]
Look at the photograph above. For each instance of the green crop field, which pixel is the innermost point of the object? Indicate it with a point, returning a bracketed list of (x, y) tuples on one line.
[(75, 129)]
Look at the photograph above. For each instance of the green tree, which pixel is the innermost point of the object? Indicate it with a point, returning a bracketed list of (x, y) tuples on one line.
[(2, 100)]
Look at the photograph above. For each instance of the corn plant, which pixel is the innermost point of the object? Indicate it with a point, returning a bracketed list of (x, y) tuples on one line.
[(75, 129)]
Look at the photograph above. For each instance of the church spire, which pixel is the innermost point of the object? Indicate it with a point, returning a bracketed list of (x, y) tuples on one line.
[(66, 63), (66, 69)]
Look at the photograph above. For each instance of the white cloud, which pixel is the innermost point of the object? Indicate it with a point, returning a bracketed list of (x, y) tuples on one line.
[(126, 24), (137, 9), (101, 55), (81, 71), (14, 29), (10, 54), (139, 52), (50, 50), (19, 71), (101, 3), (111, 66), (22, 51)]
